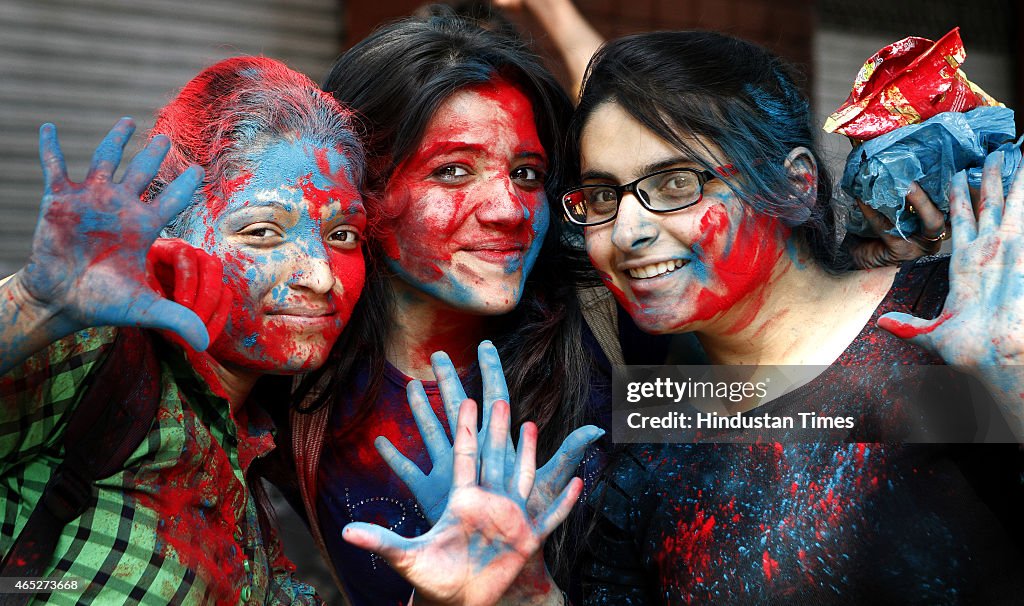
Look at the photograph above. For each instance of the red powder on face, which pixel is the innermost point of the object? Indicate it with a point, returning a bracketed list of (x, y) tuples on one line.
[(348, 267), (457, 192), (262, 332), (738, 264)]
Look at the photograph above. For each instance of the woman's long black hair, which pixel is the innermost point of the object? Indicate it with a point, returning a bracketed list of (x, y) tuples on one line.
[(733, 93), (395, 80)]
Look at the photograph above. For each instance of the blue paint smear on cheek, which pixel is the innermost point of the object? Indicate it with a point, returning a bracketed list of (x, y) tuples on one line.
[(541, 222), (697, 265)]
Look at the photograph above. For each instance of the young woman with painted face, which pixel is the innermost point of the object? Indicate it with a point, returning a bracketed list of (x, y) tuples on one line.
[(280, 208), (705, 210), (464, 139)]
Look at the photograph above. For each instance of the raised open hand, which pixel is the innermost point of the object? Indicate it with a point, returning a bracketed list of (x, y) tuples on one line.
[(484, 536), (431, 490), (982, 321), (88, 261)]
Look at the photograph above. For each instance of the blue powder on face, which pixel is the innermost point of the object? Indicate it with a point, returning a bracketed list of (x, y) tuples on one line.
[(250, 340)]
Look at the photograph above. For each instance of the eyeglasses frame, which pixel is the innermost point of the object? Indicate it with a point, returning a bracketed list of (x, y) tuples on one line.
[(703, 176)]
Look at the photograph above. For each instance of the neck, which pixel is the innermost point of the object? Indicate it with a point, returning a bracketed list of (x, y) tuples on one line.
[(422, 325), (230, 382), (801, 315)]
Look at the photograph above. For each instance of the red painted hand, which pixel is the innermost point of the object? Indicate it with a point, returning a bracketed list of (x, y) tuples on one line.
[(192, 278)]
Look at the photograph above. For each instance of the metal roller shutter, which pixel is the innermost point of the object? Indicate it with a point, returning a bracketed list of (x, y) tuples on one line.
[(83, 64)]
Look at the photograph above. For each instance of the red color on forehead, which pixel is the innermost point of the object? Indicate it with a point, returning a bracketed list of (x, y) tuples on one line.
[(514, 101)]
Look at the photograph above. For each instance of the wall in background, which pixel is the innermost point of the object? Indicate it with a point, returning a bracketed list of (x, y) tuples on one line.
[(82, 64)]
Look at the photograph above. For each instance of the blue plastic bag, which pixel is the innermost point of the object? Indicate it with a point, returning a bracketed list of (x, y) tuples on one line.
[(880, 171)]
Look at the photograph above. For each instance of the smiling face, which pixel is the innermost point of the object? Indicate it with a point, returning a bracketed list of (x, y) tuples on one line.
[(288, 231), (701, 268), (469, 206)]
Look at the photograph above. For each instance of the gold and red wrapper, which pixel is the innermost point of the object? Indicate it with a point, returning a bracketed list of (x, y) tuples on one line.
[(906, 83)]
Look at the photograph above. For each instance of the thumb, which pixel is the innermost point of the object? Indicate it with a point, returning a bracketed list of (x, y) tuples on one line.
[(564, 462), (911, 328), (378, 540), (164, 314)]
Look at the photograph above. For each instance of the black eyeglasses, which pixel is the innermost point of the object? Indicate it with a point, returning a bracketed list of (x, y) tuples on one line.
[(662, 191)]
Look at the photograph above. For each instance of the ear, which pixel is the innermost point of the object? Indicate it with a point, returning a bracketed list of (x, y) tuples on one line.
[(802, 171)]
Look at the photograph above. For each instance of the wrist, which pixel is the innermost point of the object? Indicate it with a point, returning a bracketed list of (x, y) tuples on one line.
[(33, 311), (534, 586)]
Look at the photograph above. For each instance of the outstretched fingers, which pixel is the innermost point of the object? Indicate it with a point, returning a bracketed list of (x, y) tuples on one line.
[(991, 213), (380, 541), (55, 172), (560, 508), (493, 377), (526, 461), (406, 470), (911, 328), (144, 166), (1013, 207), (431, 430), (961, 213), (108, 154), (492, 465), (452, 392), (567, 458), (152, 311), (177, 195), (465, 447)]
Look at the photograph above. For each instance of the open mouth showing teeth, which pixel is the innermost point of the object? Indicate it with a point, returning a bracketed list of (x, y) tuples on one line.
[(656, 269)]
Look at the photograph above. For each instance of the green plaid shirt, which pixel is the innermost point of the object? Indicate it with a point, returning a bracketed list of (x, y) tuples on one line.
[(175, 526)]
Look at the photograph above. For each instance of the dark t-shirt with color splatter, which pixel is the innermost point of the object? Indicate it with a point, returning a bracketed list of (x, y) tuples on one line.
[(354, 483), (812, 523)]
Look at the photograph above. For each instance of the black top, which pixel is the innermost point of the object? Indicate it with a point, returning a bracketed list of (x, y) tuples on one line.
[(814, 523)]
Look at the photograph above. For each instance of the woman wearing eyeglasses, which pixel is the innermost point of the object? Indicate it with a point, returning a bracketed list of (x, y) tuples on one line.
[(705, 210)]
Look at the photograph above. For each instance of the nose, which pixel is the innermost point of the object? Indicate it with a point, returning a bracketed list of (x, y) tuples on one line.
[(312, 270), (633, 228), (503, 206)]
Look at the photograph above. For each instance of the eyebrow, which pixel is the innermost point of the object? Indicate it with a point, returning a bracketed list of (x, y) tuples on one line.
[(644, 170), (274, 204), (533, 155), (448, 147)]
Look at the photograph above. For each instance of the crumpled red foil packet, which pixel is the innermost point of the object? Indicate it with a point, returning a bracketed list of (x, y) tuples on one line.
[(906, 83)]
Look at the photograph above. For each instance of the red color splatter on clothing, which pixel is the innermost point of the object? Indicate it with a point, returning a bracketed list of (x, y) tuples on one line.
[(769, 565), (691, 545), (199, 501)]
